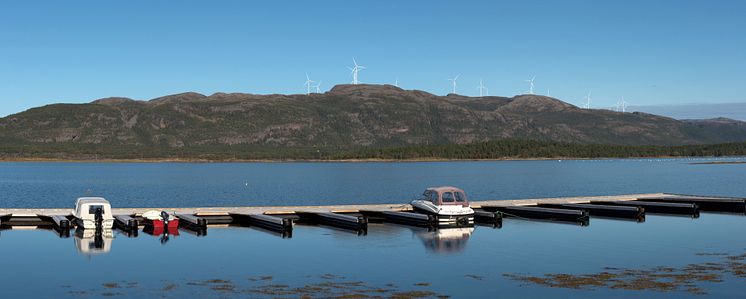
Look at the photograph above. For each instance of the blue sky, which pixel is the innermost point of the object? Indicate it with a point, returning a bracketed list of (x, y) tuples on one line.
[(650, 52)]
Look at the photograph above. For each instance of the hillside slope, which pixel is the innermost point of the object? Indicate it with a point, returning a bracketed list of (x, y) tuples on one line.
[(348, 116)]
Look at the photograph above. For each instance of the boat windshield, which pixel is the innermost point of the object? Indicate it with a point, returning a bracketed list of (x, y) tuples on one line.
[(460, 197), (93, 208), (434, 197), (448, 197)]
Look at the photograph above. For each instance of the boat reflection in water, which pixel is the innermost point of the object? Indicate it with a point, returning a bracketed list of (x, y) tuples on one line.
[(445, 240), (164, 233), (93, 241)]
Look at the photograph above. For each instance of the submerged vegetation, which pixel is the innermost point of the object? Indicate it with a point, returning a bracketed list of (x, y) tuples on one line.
[(503, 149), (330, 286), (662, 279)]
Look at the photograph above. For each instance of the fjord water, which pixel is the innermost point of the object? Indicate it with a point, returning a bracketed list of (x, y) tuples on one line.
[(240, 262), (56, 185)]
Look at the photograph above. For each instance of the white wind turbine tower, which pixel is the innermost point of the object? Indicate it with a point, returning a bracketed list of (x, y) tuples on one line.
[(355, 70), (588, 101), (623, 105), (318, 87), (396, 82), (531, 85), (483, 91), (308, 84), (453, 81)]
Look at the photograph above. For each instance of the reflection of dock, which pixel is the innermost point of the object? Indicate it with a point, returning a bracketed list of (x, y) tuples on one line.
[(355, 218)]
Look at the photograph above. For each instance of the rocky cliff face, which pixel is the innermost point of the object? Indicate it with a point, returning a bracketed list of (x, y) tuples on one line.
[(345, 117)]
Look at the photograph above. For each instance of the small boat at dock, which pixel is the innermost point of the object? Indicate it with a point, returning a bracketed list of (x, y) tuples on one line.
[(160, 220), (92, 213), (448, 204)]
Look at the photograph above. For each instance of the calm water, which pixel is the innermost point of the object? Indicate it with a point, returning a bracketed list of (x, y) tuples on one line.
[(242, 184), (462, 264), (238, 262)]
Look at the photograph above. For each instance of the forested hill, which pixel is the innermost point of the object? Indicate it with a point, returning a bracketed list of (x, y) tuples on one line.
[(347, 118)]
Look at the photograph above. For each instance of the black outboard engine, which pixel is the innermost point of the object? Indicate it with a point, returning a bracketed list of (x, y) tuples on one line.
[(98, 239), (98, 213), (165, 217)]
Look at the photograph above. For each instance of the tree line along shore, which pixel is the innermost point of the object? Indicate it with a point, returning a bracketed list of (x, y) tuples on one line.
[(491, 150)]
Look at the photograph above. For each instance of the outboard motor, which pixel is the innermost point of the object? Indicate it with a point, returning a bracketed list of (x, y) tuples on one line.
[(165, 217), (99, 216)]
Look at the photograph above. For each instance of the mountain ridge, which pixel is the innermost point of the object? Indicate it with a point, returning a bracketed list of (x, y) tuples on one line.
[(346, 117)]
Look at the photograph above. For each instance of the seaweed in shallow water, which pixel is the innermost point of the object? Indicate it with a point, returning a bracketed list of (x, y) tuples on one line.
[(661, 279)]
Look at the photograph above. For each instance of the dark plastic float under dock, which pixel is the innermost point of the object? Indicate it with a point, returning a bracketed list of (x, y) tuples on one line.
[(713, 204), (126, 223), (656, 207), (488, 217), (611, 211), (409, 218), (356, 217), (534, 212), (273, 223), (337, 220)]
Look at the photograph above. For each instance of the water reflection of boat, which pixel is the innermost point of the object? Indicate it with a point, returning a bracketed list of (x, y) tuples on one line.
[(445, 240), (164, 232), (93, 241)]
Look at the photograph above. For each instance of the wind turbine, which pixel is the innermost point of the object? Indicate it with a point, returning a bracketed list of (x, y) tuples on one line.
[(453, 80), (623, 105), (531, 85), (483, 91), (318, 87), (308, 84), (396, 82), (355, 70), (588, 101)]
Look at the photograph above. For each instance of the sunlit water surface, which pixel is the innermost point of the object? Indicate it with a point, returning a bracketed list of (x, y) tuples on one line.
[(241, 262)]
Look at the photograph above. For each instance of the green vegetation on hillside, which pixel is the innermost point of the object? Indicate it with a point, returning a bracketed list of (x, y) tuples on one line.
[(526, 149), (504, 149)]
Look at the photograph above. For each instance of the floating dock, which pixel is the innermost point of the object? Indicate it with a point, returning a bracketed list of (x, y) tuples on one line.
[(356, 217)]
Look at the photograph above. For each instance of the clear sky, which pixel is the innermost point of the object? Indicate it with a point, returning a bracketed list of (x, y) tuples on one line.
[(650, 52)]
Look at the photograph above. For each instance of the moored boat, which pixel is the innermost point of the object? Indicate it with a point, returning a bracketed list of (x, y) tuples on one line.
[(448, 204), (160, 221), (92, 213)]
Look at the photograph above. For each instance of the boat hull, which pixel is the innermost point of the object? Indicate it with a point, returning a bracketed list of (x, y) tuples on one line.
[(447, 219), (90, 224), (159, 224)]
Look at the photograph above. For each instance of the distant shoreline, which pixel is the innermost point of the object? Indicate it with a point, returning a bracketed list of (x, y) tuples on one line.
[(372, 160), (502, 150)]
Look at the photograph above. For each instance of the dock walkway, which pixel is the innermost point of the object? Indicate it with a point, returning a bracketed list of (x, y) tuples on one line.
[(278, 210)]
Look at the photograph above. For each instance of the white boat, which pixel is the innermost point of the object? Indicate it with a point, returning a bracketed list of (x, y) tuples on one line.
[(91, 212), (448, 204)]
